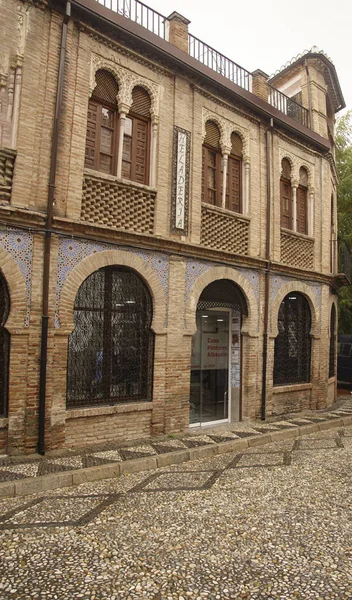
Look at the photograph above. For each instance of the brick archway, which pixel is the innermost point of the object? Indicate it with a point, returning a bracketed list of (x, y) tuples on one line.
[(17, 290), (290, 287)]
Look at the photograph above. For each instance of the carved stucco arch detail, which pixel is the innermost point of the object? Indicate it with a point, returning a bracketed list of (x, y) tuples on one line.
[(292, 161), (209, 116), (309, 170), (305, 290), (151, 88), (249, 324), (243, 134), (17, 290), (97, 63), (104, 259)]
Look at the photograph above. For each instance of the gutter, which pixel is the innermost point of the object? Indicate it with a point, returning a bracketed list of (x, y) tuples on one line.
[(48, 233)]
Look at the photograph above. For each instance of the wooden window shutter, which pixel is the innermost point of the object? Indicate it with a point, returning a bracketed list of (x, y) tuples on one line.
[(212, 135), (234, 184), (140, 102), (204, 168), (236, 145), (92, 136), (286, 203), (106, 89), (139, 151), (302, 221)]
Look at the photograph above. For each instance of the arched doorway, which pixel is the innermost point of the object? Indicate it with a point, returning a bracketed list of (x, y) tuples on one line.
[(4, 346), (216, 355)]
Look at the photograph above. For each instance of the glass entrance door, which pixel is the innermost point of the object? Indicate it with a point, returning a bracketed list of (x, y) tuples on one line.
[(210, 368)]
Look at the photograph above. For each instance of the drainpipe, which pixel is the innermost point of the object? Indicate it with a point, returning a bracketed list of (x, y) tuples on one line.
[(47, 243), (268, 135)]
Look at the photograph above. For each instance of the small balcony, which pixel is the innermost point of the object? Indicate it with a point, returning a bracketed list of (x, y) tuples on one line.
[(224, 230), (7, 164), (297, 250), (117, 203)]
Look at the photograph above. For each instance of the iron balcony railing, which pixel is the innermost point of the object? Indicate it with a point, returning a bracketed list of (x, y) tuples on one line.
[(289, 107), (219, 63), (345, 260), (139, 13)]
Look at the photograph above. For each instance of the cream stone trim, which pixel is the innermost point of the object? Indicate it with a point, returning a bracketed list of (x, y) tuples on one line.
[(250, 323), (17, 290), (287, 288), (104, 259)]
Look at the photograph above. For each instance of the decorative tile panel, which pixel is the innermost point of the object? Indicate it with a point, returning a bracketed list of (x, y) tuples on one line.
[(278, 282), (72, 252), (19, 244)]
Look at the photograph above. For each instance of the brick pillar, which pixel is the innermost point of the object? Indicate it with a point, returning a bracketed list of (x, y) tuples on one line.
[(177, 28), (260, 84)]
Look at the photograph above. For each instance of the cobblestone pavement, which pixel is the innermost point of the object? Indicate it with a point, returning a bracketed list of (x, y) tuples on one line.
[(273, 521), (16, 468)]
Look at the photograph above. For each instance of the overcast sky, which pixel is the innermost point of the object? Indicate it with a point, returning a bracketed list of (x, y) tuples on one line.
[(265, 34)]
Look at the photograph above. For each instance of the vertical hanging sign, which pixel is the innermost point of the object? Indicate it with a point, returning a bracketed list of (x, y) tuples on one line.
[(180, 181)]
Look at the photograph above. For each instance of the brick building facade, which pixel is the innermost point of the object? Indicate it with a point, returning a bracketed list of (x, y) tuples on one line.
[(168, 241)]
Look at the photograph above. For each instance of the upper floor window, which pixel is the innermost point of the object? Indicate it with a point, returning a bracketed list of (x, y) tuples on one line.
[(302, 202), (106, 132), (211, 165), (102, 122), (234, 175), (135, 153), (286, 195)]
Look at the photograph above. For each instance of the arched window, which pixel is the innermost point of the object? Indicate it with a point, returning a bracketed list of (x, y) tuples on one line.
[(110, 351), (4, 347), (102, 125), (211, 165), (286, 195), (234, 175), (293, 343), (135, 154), (332, 342), (302, 202)]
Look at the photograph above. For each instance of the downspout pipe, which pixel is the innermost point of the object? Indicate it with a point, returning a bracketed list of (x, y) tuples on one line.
[(48, 233), (268, 139)]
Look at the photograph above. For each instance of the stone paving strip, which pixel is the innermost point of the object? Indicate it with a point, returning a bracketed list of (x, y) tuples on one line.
[(267, 522), (21, 476)]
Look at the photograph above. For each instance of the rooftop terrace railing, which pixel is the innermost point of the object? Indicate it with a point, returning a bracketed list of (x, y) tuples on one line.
[(139, 13), (289, 107), (156, 23), (218, 62)]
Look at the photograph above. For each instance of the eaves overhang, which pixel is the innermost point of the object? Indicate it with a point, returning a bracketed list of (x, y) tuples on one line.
[(101, 16)]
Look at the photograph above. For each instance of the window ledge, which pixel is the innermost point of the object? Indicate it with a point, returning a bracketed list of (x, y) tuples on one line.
[(294, 387), (225, 211), (114, 179), (297, 234), (332, 379), (96, 411)]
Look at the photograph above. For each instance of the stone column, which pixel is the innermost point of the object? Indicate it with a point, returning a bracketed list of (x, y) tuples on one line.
[(177, 30), (16, 101), (245, 207), (294, 205), (153, 145), (122, 120), (310, 209), (225, 158)]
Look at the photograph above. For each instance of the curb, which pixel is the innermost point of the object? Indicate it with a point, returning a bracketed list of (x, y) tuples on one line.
[(44, 483)]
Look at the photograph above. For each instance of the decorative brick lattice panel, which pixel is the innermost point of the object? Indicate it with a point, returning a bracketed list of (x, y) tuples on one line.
[(118, 204), (297, 251), (224, 231), (7, 163)]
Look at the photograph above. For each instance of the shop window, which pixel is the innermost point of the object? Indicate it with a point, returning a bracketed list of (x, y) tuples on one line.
[(211, 165), (102, 125), (135, 154), (302, 202), (332, 342), (110, 351), (4, 347), (234, 175), (293, 343), (286, 195)]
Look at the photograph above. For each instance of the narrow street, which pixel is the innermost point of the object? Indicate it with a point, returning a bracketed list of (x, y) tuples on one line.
[(270, 522)]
